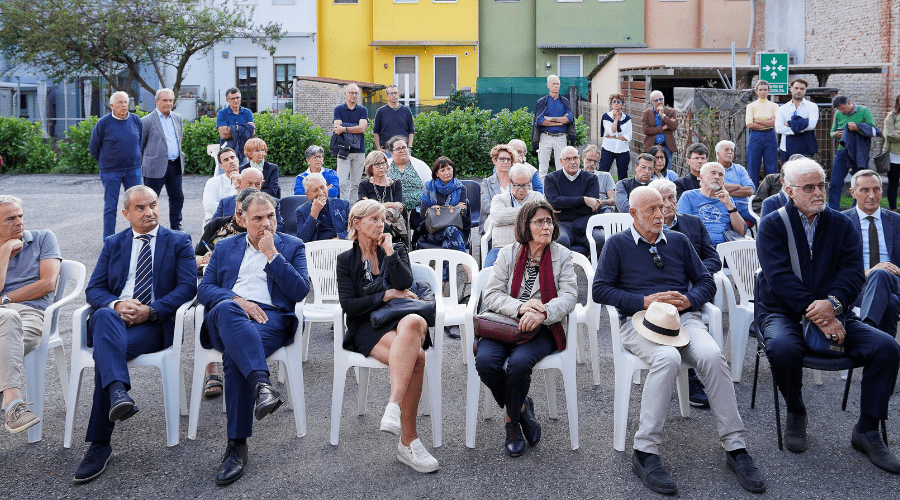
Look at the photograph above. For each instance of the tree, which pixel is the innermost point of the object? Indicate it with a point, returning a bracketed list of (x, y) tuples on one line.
[(69, 38)]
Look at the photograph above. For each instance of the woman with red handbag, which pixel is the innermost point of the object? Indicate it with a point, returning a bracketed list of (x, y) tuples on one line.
[(534, 282)]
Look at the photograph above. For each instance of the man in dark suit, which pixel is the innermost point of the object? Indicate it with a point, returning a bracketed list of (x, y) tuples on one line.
[(144, 274), (162, 161), (880, 232), (249, 291), (659, 124), (250, 178), (696, 155)]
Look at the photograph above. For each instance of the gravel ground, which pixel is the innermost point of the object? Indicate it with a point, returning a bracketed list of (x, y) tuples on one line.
[(364, 464)]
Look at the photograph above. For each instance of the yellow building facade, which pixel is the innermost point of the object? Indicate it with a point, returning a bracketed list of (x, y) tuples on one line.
[(427, 47)]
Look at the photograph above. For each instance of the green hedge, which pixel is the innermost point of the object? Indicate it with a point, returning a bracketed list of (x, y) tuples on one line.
[(74, 155), (23, 148)]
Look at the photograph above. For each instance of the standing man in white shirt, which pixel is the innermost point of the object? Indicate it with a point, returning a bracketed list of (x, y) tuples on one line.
[(796, 122)]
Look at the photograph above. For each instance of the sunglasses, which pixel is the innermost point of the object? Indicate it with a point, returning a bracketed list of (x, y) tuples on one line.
[(617, 102), (657, 259), (809, 188)]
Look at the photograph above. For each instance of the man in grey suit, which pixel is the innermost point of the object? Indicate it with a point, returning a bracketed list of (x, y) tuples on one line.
[(880, 232), (162, 161)]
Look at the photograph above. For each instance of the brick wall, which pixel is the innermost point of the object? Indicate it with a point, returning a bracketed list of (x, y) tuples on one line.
[(317, 101)]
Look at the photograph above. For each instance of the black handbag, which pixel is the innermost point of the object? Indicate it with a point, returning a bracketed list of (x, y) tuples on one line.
[(883, 162), (396, 309)]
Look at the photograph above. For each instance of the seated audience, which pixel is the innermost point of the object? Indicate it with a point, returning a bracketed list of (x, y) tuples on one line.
[(249, 291), (255, 150), (696, 156), (402, 169), (321, 218), (251, 178), (29, 267), (315, 158), (660, 171), (223, 185), (144, 274), (221, 228), (770, 186), (831, 282), (737, 181), (505, 208), (503, 157), (879, 229), (616, 130), (574, 196), (714, 205), (518, 146), (534, 282), (445, 189), (389, 192), (399, 344), (589, 160), (658, 283), (643, 173)]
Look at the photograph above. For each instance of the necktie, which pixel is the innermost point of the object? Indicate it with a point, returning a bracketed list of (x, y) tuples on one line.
[(144, 272), (874, 250)]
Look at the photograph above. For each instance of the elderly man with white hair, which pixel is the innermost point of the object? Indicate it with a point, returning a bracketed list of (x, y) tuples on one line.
[(812, 269), (518, 145), (659, 284), (552, 118), (575, 197), (116, 145), (505, 207), (659, 123), (738, 182), (322, 217), (350, 122), (715, 207)]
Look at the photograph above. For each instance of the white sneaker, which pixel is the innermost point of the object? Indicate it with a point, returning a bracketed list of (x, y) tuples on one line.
[(417, 457), (390, 422)]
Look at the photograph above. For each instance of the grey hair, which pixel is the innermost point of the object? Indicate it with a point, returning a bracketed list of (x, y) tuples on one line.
[(722, 144), (656, 92), (244, 194), (863, 173), (256, 197), (5, 198), (114, 94), (663, 185), (314, 150), (160, 92), (349, 87), (519, 168), (794, 168), (638, 193), (134, 189), (392, 85), (551, 77), (316, 176), (840, 101), (518, 143), (589, 149), (708, 165), (573, 148)]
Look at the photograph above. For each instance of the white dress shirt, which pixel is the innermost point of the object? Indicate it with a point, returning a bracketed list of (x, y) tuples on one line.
[(864, 229), (807, 110), (252, 282), (136, 244), (217, 187), (615, 145)]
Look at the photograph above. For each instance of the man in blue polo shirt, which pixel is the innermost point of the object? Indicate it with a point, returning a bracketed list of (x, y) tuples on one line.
[(351, 120), (553, 113), (235, 123)]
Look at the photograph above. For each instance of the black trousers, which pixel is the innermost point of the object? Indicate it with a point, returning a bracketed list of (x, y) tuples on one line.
[(510, 385), (172, 182)]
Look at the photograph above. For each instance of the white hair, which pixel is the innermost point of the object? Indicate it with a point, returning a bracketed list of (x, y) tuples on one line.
[(795, 168), (518, 143), (708, 165), (567, 148), (663, 185), (5, 198), (160, 92), (656, 93), (552, 77), (316, 176), (861, 173), (639, 193), (722, 144), (352, 85), (112, 98), (519, 168)]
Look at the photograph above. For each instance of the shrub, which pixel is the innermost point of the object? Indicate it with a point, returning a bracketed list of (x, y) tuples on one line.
[(75, 156), (23, 148), (287, 136), (508, 125), (458, 135), (196, 136)]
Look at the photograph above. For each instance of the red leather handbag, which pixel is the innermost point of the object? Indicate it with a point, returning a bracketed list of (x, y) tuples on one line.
[(501, 328)]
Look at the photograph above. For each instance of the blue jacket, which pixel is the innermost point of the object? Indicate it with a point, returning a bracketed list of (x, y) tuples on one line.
[(331, 177), (692, 227), (287, 278), (773, 203), (337, 210), (890, 222), (270, 178), (833, 267), (800, 142), (857, 144), (226, 209), (539, 110), (174, 275)]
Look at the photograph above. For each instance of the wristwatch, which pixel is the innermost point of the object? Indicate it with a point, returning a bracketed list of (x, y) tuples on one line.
[(4, 300), (838, 307), (153, 314), (733, 210)]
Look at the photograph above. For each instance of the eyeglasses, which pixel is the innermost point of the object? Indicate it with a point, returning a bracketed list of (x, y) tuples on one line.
[(400, 149), (809, 188), (380, 164), (617, 102), (663, 157), (542, 222), (657, 259), (645, 168), (393, 93), (569, 159), (521, 186), (353, 93), (657, 100), (504, 159), (316, 157)]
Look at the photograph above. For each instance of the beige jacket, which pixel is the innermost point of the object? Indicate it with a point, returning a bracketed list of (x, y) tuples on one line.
[(503, 218), (497, 294), (892, 133)]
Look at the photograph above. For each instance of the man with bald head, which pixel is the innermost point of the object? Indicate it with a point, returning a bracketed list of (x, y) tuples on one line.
[(350, 122), (575, 197), (715, 207), (638, 269), (249, 178), (659, 124), (552, 116)]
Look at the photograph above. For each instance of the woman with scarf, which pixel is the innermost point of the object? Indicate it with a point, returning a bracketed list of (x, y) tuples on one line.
[(533, 281), (255, 150), (445, 189)]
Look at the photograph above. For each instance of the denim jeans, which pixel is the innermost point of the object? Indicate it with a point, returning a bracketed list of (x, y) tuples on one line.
[(762, 146), (838, 173), (111, 182)]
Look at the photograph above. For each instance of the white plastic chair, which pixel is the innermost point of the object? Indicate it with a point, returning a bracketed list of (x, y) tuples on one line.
[(454, 312), (167, 360), (36, 360), (753, 230), (611, 224), (213, 151), (627, 364), (487, 225), (431, 389), (741, 259), (564, 361), (290, 357), (321, 261), (588, 324)]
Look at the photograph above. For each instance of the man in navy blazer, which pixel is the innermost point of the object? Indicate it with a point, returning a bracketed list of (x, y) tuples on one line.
[(144, 274), (249, 290), (251, 178), (322, 217), (879, 230), (162, 160), (773, 203)]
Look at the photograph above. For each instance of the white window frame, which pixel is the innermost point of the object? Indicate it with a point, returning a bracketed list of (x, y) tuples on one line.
[(413, 100), (569, 1), (434, 75), (406, 1), (445, 1), (284, 2), (580, 63)]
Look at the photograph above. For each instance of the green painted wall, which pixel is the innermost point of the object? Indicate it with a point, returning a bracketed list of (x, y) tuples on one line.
[(590, 21), (589, 59), (506, 38)]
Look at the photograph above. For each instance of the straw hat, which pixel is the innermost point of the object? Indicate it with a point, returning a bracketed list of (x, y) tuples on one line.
[(661, 324)]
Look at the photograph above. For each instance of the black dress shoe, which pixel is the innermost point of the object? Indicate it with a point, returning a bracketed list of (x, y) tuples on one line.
[(267, 400), (530, 426), (233, 463), (795, 433), (93, 464), (653, 474), (872, 445), (515, 444), (749, 477), (451, 333), (122, 407)]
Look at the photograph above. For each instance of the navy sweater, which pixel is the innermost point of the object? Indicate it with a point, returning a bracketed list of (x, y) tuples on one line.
[(834, 266), (626, 272), (116, 144), (568, 196)]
